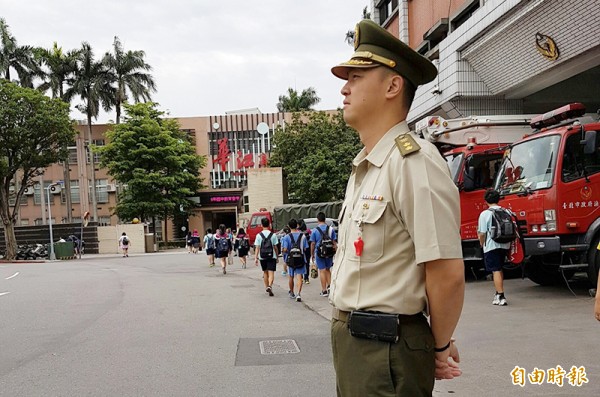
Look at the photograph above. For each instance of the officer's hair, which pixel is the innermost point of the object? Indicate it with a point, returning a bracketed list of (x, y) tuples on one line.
[(321, 216), (491, 196), (265, 222), (408, 89), (293, 223)]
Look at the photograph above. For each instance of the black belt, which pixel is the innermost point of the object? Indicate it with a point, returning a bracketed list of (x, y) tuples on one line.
[(342, 315)]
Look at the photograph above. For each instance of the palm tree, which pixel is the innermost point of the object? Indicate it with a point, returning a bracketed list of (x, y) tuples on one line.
[(128, 72), (91, 82), (19, 58), (292, 102), (60, 66)]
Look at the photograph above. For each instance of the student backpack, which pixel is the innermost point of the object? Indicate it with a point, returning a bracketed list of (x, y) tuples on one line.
[(295, 258), (325, 249), (210, 243), (244, 243), (266, 246), (504, 229), (223, 246)]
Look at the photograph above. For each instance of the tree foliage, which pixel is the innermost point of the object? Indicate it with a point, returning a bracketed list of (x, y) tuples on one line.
[(316, 152), (16, 57), (128, 75), (155, 159), (294, 102), (34, 133)]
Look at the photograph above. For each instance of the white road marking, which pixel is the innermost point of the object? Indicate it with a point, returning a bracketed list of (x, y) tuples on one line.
[(4, 293), (13, 276)]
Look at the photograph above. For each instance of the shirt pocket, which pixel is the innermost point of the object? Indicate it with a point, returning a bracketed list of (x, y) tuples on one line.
[(370, 215)]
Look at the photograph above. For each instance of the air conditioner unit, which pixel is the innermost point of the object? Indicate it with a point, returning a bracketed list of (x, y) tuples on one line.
[(55, 189), (29, 191), (111, 187)]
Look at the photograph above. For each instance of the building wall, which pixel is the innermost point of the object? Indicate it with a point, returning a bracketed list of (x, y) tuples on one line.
[(265, 190), (422, 15), (108, 238)]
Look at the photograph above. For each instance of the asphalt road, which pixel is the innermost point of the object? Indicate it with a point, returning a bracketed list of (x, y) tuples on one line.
[(168, 325)]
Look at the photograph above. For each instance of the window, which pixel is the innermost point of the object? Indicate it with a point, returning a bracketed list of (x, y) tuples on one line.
[(72, 154), (104, 221), (576, 164), (246, 204), (38, 221), (101, 191), (97, 142), (24, 222), (74, 193), (39, 195), (464, 13), (529, 165), (486, 167), (386, 9)]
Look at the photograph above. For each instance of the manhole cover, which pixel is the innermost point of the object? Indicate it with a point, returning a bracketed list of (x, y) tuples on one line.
[(284, 346)]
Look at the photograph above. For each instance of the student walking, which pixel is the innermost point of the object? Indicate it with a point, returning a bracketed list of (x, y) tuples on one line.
[(302, 227), (293, 247), (188, 242), (124, 244), (494, 253), (210, 246), (323, 244), (231, 239), (265, 250), (195, 241), (243, 244), (223, 246)]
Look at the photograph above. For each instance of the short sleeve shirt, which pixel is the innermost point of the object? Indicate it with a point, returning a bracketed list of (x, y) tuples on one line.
[(315, 237), (259, 238), (286, 244), (406, 210), (484, 225)]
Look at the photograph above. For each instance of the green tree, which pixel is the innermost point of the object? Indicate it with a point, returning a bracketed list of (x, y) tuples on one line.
[(34, 133), (294, 102), (157, 162), (59, 67), (316, 151), (92, 83), (14, 56), (128, 74)]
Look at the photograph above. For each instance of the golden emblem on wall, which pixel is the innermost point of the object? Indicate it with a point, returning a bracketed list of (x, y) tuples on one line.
[(546, 46)]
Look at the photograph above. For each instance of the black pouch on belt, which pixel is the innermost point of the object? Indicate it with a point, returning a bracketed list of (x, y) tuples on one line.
[(373, 325)]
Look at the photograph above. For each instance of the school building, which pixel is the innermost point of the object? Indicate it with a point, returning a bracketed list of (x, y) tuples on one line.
[(236, 178)]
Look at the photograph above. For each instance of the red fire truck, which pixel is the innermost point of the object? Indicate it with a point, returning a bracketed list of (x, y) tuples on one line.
[(551, 180), (473, 147)]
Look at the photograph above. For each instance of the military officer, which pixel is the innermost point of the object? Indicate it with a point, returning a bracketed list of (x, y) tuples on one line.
[(399, 256)]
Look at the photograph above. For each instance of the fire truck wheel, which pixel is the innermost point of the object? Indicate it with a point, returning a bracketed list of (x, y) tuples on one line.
[(543, 274), (594, 262)]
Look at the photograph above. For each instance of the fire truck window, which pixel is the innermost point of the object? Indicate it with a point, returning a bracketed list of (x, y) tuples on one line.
[(486, 168), (576, 164)]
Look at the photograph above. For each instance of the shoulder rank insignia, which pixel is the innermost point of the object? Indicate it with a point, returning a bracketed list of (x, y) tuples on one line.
[(407, 145)]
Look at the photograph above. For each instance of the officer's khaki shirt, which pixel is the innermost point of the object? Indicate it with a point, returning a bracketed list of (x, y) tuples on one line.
[(409, 211)]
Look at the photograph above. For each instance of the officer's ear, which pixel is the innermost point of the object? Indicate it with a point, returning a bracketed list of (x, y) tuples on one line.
[(395, 85)]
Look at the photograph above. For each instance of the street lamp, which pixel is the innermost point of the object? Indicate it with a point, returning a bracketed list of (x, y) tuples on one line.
[(52, 255)]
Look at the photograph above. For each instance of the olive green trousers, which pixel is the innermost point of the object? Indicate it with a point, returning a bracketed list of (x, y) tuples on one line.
[(371, 368)]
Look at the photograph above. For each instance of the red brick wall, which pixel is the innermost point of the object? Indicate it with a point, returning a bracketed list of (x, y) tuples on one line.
[(423, 14)]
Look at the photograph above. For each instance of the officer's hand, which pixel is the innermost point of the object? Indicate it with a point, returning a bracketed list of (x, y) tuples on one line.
[(446, 368)]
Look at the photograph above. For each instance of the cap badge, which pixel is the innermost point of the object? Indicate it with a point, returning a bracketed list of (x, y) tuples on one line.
[(356, 40)]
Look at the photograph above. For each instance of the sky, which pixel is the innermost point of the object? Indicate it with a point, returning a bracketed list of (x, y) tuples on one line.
[(208, 57)]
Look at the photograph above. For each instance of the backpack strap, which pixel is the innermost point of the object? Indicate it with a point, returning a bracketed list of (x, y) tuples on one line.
[(292, 239)]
